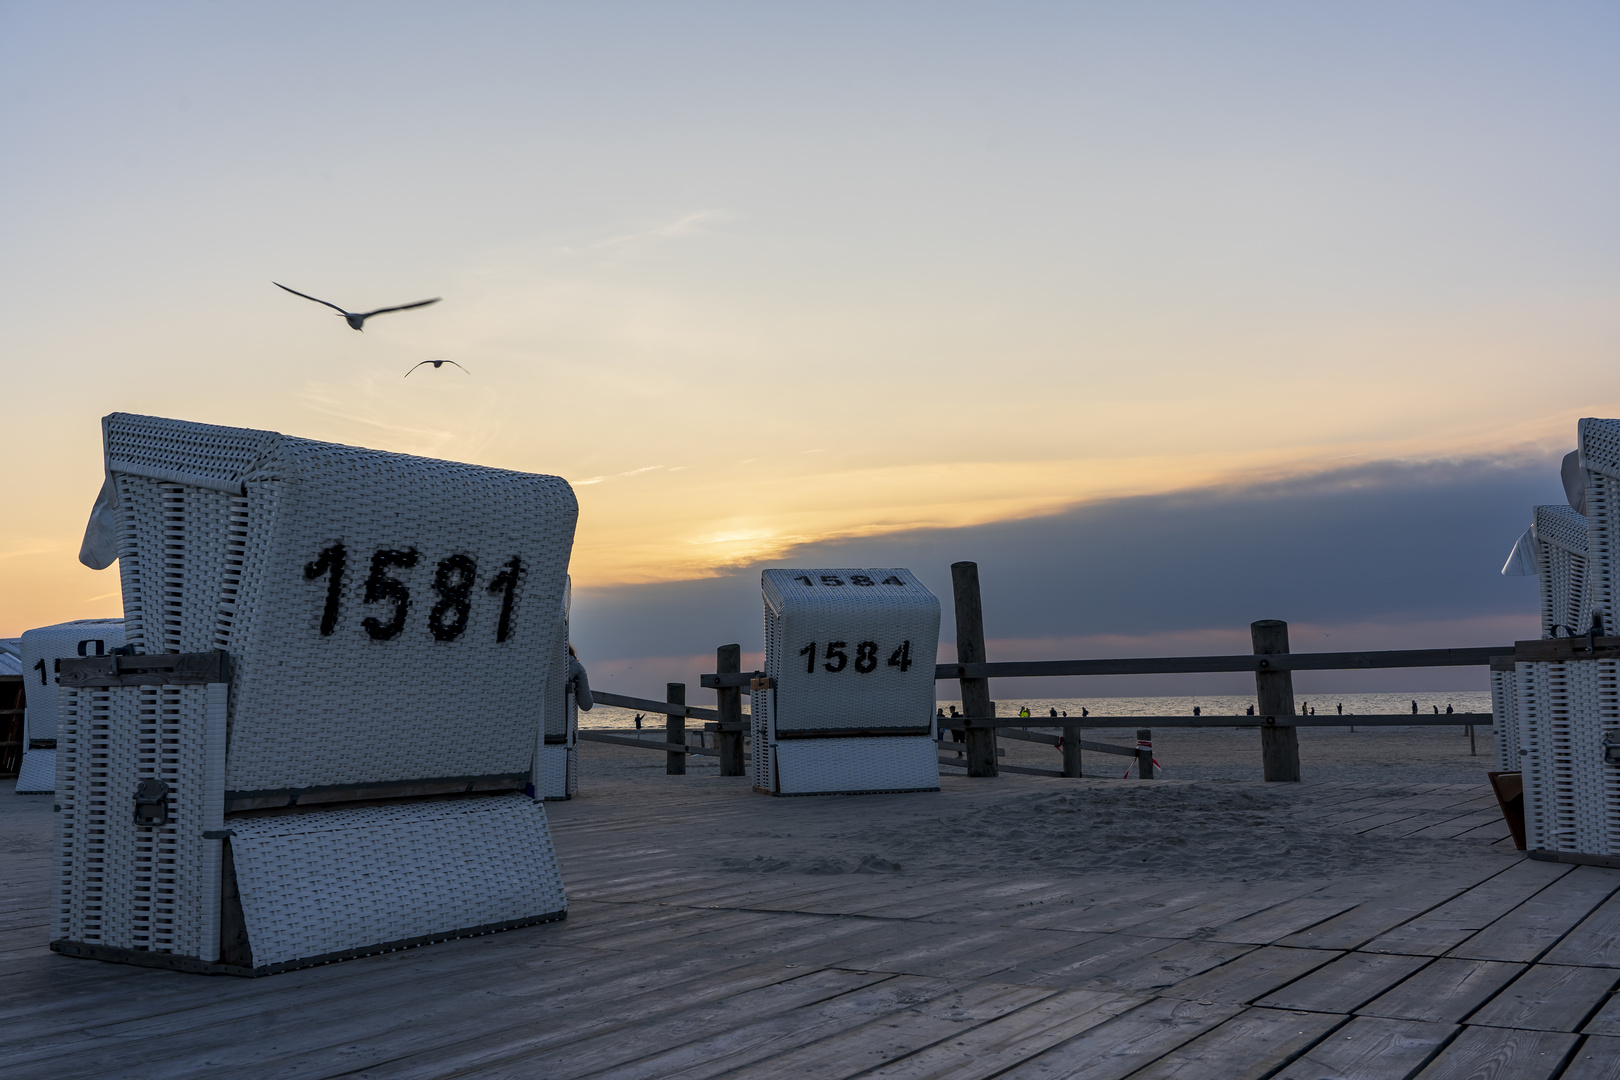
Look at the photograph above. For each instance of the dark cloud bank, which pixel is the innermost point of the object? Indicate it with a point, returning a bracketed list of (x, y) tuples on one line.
[(1385, 547)]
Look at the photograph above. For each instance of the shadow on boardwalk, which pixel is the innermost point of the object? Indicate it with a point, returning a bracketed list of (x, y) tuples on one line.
[(1014, 927)]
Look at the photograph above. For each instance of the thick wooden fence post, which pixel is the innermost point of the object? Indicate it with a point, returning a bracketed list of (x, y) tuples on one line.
[(1144, 754), (728, 703), (1071, 752), (1274, 691), (675, 729), (980, 742)]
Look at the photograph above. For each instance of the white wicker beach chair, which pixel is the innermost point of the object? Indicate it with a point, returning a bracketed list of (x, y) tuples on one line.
[(42, 651), (850, 656), (382, 615), (1567, 694)]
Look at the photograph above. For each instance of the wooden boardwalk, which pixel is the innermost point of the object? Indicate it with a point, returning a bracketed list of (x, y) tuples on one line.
[(670, 965)]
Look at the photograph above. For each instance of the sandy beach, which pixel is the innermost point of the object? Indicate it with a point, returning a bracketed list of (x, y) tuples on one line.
[(1206, 816)]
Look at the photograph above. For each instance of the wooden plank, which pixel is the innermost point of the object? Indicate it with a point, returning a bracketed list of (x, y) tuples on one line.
[(1289, 917), (649, 705), (202, 1040), (975, 689), (1139, 916), (1534, 926), (1274, 697), (1449, 925), (1370, 1047), (1596, 941), (1346, 984), (1124, 1044), (1598, 1058), (889, 1038), (675, 729), (1549, 997), (1247, 1047), (1501, 1055), (1003, 1043), (1607, 1019), (1161, 665), (1079, 964), (1166, 967), (712, 1041), (980, 954), (997, 723), (1251, 975), (1094, 903), (1443, 992), (646, 744), (1207, 918)]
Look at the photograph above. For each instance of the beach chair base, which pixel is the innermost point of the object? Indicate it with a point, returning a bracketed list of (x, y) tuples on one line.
[(864, 765)]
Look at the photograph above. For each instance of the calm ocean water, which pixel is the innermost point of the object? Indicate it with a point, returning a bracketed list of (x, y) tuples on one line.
[(1479, 701)]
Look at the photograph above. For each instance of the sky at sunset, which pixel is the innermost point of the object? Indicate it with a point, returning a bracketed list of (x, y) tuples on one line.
[(1189, 313)]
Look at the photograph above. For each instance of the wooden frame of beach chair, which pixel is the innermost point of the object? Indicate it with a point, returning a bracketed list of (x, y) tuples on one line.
[(359, 785), (848, 700)]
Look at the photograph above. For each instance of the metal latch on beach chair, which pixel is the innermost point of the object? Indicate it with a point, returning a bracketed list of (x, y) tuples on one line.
[(152, 803), (760, 682)]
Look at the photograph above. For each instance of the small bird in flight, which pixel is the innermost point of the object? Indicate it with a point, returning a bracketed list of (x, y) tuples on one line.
[(357, 320), (437, 364)]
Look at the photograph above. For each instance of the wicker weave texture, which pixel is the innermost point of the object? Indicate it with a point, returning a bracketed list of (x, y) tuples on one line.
[(37, 776), (887, 763), (121, 884), (1505, 720), (41, 648), (1561, 559), (558, 772), (365, 597), (853, 648), (1572, 798), (332, 881), (846, 649), (1600, 460)]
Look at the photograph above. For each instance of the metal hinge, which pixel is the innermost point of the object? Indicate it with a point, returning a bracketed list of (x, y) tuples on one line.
[(152, 803)]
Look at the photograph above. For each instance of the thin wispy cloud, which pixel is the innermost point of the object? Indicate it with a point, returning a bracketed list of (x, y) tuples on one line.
[(686, 225), (614, 476)]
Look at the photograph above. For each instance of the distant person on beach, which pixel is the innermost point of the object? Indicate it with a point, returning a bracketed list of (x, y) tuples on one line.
[(638, 721), (1448, 708), (939, 713), (1251, 711), (579, 683), (1198, 710), (1414, 708), (1085, 712), (1341, 708), (1437, 710), (1024, 711), (1052, 711)]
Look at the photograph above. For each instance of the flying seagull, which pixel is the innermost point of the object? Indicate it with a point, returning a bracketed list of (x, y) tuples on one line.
[(437, 364), (357, 320)]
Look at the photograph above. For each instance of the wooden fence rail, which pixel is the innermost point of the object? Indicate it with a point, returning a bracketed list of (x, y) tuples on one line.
[(1271, 663), (958, 723), (1178, 665), (645, 744)]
